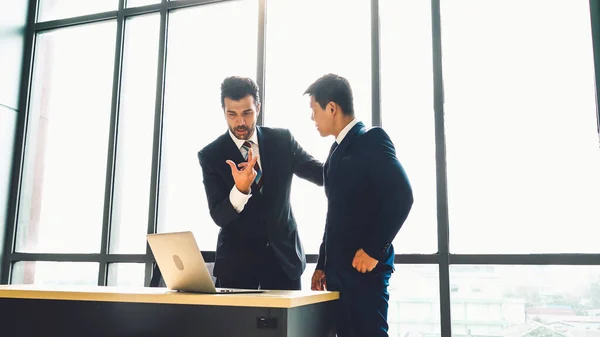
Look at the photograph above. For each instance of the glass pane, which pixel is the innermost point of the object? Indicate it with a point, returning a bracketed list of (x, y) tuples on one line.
[(62, 195), (525, 300), (306, 277), (55, 273), (137, 3), (523, 156), (298, 52), (414, 301), (126, 274), (61, 9), (193, 114), (8, 125), (414, 304), (135, 136), (407, 113), (13, 17)]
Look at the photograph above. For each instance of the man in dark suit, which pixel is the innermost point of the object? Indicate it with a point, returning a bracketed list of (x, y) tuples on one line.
[(247, 177), (369, 198)]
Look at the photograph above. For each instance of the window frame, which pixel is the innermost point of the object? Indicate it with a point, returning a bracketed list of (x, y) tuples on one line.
[(443, 259)]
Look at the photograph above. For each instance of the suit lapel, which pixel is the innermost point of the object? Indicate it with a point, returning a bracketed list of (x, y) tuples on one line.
[(265, 148), (338, 154)]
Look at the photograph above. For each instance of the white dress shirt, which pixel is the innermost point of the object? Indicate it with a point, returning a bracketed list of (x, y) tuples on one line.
[(345, 131), (238, 199)]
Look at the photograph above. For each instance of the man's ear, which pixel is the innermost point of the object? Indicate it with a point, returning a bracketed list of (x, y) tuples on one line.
[(257, 110), (331, 107)]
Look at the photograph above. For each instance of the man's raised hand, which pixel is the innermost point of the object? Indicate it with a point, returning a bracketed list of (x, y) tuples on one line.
[(245, 175)]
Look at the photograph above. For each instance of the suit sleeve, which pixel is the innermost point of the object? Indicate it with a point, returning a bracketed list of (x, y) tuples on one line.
[(217, 194), (322, 256), (305, 166), (392, 191)]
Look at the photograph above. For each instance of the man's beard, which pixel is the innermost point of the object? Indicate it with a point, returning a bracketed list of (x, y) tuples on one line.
[(245, 136)]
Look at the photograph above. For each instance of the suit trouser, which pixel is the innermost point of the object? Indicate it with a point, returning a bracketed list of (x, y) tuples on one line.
[(363, 305), (268, 274)]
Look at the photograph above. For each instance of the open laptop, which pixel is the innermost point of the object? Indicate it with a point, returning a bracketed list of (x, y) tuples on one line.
[(182, 265)]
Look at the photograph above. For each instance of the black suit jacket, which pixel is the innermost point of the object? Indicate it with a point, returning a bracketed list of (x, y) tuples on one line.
[(267, 218), (369, 197)]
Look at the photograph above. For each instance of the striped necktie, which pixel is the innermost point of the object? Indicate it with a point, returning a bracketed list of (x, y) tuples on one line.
[(258, 180)]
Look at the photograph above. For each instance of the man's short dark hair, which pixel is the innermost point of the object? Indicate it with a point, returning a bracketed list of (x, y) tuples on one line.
[(237, 87), (332, 88)]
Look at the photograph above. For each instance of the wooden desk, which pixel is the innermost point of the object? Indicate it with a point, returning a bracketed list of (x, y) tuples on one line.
[(27, 310)]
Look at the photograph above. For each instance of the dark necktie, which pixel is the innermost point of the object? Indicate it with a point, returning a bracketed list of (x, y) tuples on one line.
[(333, 147), (328, 161)]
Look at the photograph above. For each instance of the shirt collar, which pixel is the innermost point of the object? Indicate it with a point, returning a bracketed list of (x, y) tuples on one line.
[(240, 142), (345, 131)]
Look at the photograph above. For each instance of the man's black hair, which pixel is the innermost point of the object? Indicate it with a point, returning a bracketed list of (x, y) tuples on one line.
[(237, 87), (332, 88)]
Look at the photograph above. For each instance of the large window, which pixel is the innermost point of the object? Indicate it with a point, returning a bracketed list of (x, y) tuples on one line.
[(62, 196), (492, 300), (523, 156), (490, 104), (134, 139), (56, 273), (407, 113)]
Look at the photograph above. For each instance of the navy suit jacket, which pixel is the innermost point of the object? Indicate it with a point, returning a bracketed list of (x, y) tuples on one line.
[(267, 218), (369, 197)]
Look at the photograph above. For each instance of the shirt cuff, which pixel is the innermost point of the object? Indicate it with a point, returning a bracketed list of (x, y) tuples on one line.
[(238, 199)]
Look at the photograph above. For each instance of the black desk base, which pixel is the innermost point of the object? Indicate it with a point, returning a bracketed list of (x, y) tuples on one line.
[(32, 318)]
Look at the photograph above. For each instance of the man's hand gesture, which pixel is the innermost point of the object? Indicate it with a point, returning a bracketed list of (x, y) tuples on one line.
[(245, 175)]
